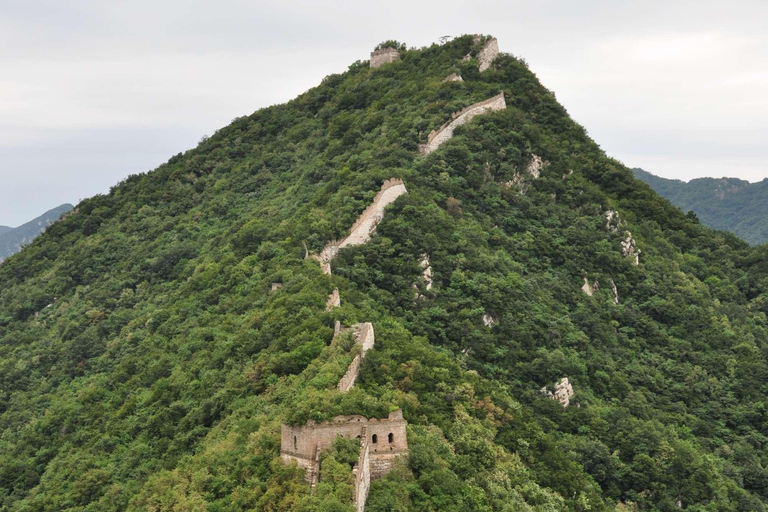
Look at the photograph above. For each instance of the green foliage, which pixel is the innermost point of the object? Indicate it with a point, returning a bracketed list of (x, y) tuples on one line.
[(729, 204), (145, 363)]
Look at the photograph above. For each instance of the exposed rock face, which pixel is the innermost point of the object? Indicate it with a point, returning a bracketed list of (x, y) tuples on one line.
[(453, 77), (612, 221), (445, 132), (384, 56), (629, 248), (276, 286), (532, 171), (489, 52), (563, 392), (488, 320), (590, 289), (427, 274), (334, 300), (366, 224), (614, 292)]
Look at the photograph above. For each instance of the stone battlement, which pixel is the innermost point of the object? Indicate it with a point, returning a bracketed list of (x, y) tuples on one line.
[(386, 439), (445, 132), (384, 56)]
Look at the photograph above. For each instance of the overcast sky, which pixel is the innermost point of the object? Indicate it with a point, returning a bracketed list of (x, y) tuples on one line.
[(94, 90)]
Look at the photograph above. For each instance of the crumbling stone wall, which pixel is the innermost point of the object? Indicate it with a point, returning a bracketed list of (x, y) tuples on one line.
[(384, 56), (445, 132), (386, 438), (363, 334), (489, 52), (366, 224), (334, 300), (362, 473)]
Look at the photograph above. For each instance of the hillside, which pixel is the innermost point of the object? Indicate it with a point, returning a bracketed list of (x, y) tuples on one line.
[(729, 204), (156, 344), (13, 239)]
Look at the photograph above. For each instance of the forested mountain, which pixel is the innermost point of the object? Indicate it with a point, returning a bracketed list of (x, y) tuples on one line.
[(13, 239), (730, 204), (146, 363)]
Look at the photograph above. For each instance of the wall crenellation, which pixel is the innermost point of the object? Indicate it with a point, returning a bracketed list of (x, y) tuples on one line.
[(385, 439)]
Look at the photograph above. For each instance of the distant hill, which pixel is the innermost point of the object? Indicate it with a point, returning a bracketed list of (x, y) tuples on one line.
[(729, 204), (13, 239)]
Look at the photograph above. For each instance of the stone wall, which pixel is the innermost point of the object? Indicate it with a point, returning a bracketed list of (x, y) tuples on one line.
[(334, 300), (366, 223), (384, 56), (489, 52), (362, 474), (386, 438), (364, 335), (445, 132)]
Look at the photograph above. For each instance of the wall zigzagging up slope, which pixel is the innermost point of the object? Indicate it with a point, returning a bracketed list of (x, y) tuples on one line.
[(445, 132)]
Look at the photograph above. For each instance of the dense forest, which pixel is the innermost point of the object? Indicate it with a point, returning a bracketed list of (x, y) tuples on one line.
[(146, 364), (729, 204)]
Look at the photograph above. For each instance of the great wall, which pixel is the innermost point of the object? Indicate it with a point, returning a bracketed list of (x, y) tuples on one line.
[(366, 224), (445, 132), (382, 441)]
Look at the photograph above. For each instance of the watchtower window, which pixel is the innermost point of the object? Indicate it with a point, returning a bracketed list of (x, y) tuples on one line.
[(375, 439), (295, 442), (391, 437)]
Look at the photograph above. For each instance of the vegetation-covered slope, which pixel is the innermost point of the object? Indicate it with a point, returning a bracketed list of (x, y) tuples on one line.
[(729, 204), (145, 364), (13, 239)]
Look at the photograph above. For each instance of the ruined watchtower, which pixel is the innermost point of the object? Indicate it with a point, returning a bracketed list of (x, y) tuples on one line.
[(384, 56), (386, 440)]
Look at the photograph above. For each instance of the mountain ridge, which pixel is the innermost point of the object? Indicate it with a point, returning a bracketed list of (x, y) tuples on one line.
[(13, 239), (147, 362), (729, 204)]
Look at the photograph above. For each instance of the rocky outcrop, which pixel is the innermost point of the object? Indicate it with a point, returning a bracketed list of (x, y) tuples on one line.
[(427, 271), (453, 77), (366, 224), (489, 52), (384, 56), (563, 392), (612, 221), (614, 292), (488, 320), (445, 132), (532, 171), (629, 248), (590, 289), (276, 286)]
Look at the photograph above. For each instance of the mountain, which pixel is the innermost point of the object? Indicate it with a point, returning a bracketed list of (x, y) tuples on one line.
[(555, 335), (13, 239), (729, 204)]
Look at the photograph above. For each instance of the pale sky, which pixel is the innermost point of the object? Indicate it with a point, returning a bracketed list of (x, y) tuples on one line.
[(94, 90)]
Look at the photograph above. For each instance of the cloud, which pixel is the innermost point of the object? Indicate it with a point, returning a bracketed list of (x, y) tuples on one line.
[(92, 91)]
